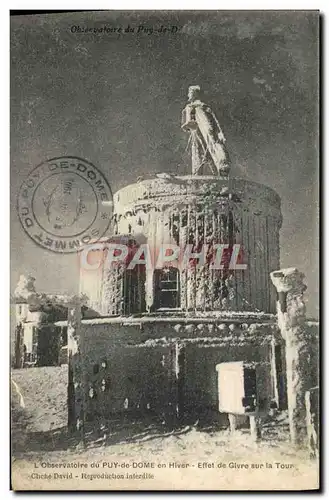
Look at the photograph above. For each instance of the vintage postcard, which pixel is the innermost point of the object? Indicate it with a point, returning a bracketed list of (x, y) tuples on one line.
[(164, 250)]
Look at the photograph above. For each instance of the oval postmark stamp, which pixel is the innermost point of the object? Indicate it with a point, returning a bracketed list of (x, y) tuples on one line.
[(64, 204)]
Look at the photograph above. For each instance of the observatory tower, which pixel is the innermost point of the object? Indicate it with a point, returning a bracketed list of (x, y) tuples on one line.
[(201, 211)]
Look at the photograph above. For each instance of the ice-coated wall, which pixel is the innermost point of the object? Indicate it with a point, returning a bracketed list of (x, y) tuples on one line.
[(152, 366)]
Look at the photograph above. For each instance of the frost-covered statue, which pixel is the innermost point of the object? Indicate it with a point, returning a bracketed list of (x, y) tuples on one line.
[(206, 136)]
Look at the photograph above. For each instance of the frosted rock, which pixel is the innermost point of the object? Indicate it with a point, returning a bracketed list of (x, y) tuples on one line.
[(253, 328), (25, 287), (189, 328)]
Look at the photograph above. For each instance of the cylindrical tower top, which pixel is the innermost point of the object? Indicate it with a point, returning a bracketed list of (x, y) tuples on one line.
[(205, 210), (170, 191)]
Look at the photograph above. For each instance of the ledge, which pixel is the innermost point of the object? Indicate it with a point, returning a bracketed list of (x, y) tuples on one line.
[(183, 318)]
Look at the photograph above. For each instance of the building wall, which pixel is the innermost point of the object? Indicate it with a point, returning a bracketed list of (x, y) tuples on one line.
[(39, 336), (24, 315), (156, 366), (30, 321), (28, 336)]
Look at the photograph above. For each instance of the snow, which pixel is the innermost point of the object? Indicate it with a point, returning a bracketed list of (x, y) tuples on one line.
[(39, 434)]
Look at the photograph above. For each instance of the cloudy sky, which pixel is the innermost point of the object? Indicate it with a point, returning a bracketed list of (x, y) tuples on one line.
[(115, 99)]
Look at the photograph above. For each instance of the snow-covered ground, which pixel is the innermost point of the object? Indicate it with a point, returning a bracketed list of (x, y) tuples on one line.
[(213, 458)]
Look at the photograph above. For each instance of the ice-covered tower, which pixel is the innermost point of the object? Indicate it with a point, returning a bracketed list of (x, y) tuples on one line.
[(202, 212), (179, 318)]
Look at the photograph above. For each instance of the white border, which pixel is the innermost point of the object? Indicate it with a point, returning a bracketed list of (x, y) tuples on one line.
[(322, 5), (170, 5)]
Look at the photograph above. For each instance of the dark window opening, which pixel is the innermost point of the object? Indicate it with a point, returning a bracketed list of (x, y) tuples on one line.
[(166, 288)]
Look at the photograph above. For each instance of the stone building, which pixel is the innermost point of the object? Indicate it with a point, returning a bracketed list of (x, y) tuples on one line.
[(37, 339)]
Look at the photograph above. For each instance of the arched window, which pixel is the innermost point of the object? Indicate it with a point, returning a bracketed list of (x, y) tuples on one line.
[(166, 288)]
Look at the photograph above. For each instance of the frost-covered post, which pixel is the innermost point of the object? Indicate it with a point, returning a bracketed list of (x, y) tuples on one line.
[(291, 320), (75, 352)]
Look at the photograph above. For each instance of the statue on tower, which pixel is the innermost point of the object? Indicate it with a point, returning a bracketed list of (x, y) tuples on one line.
[(206, 137)]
